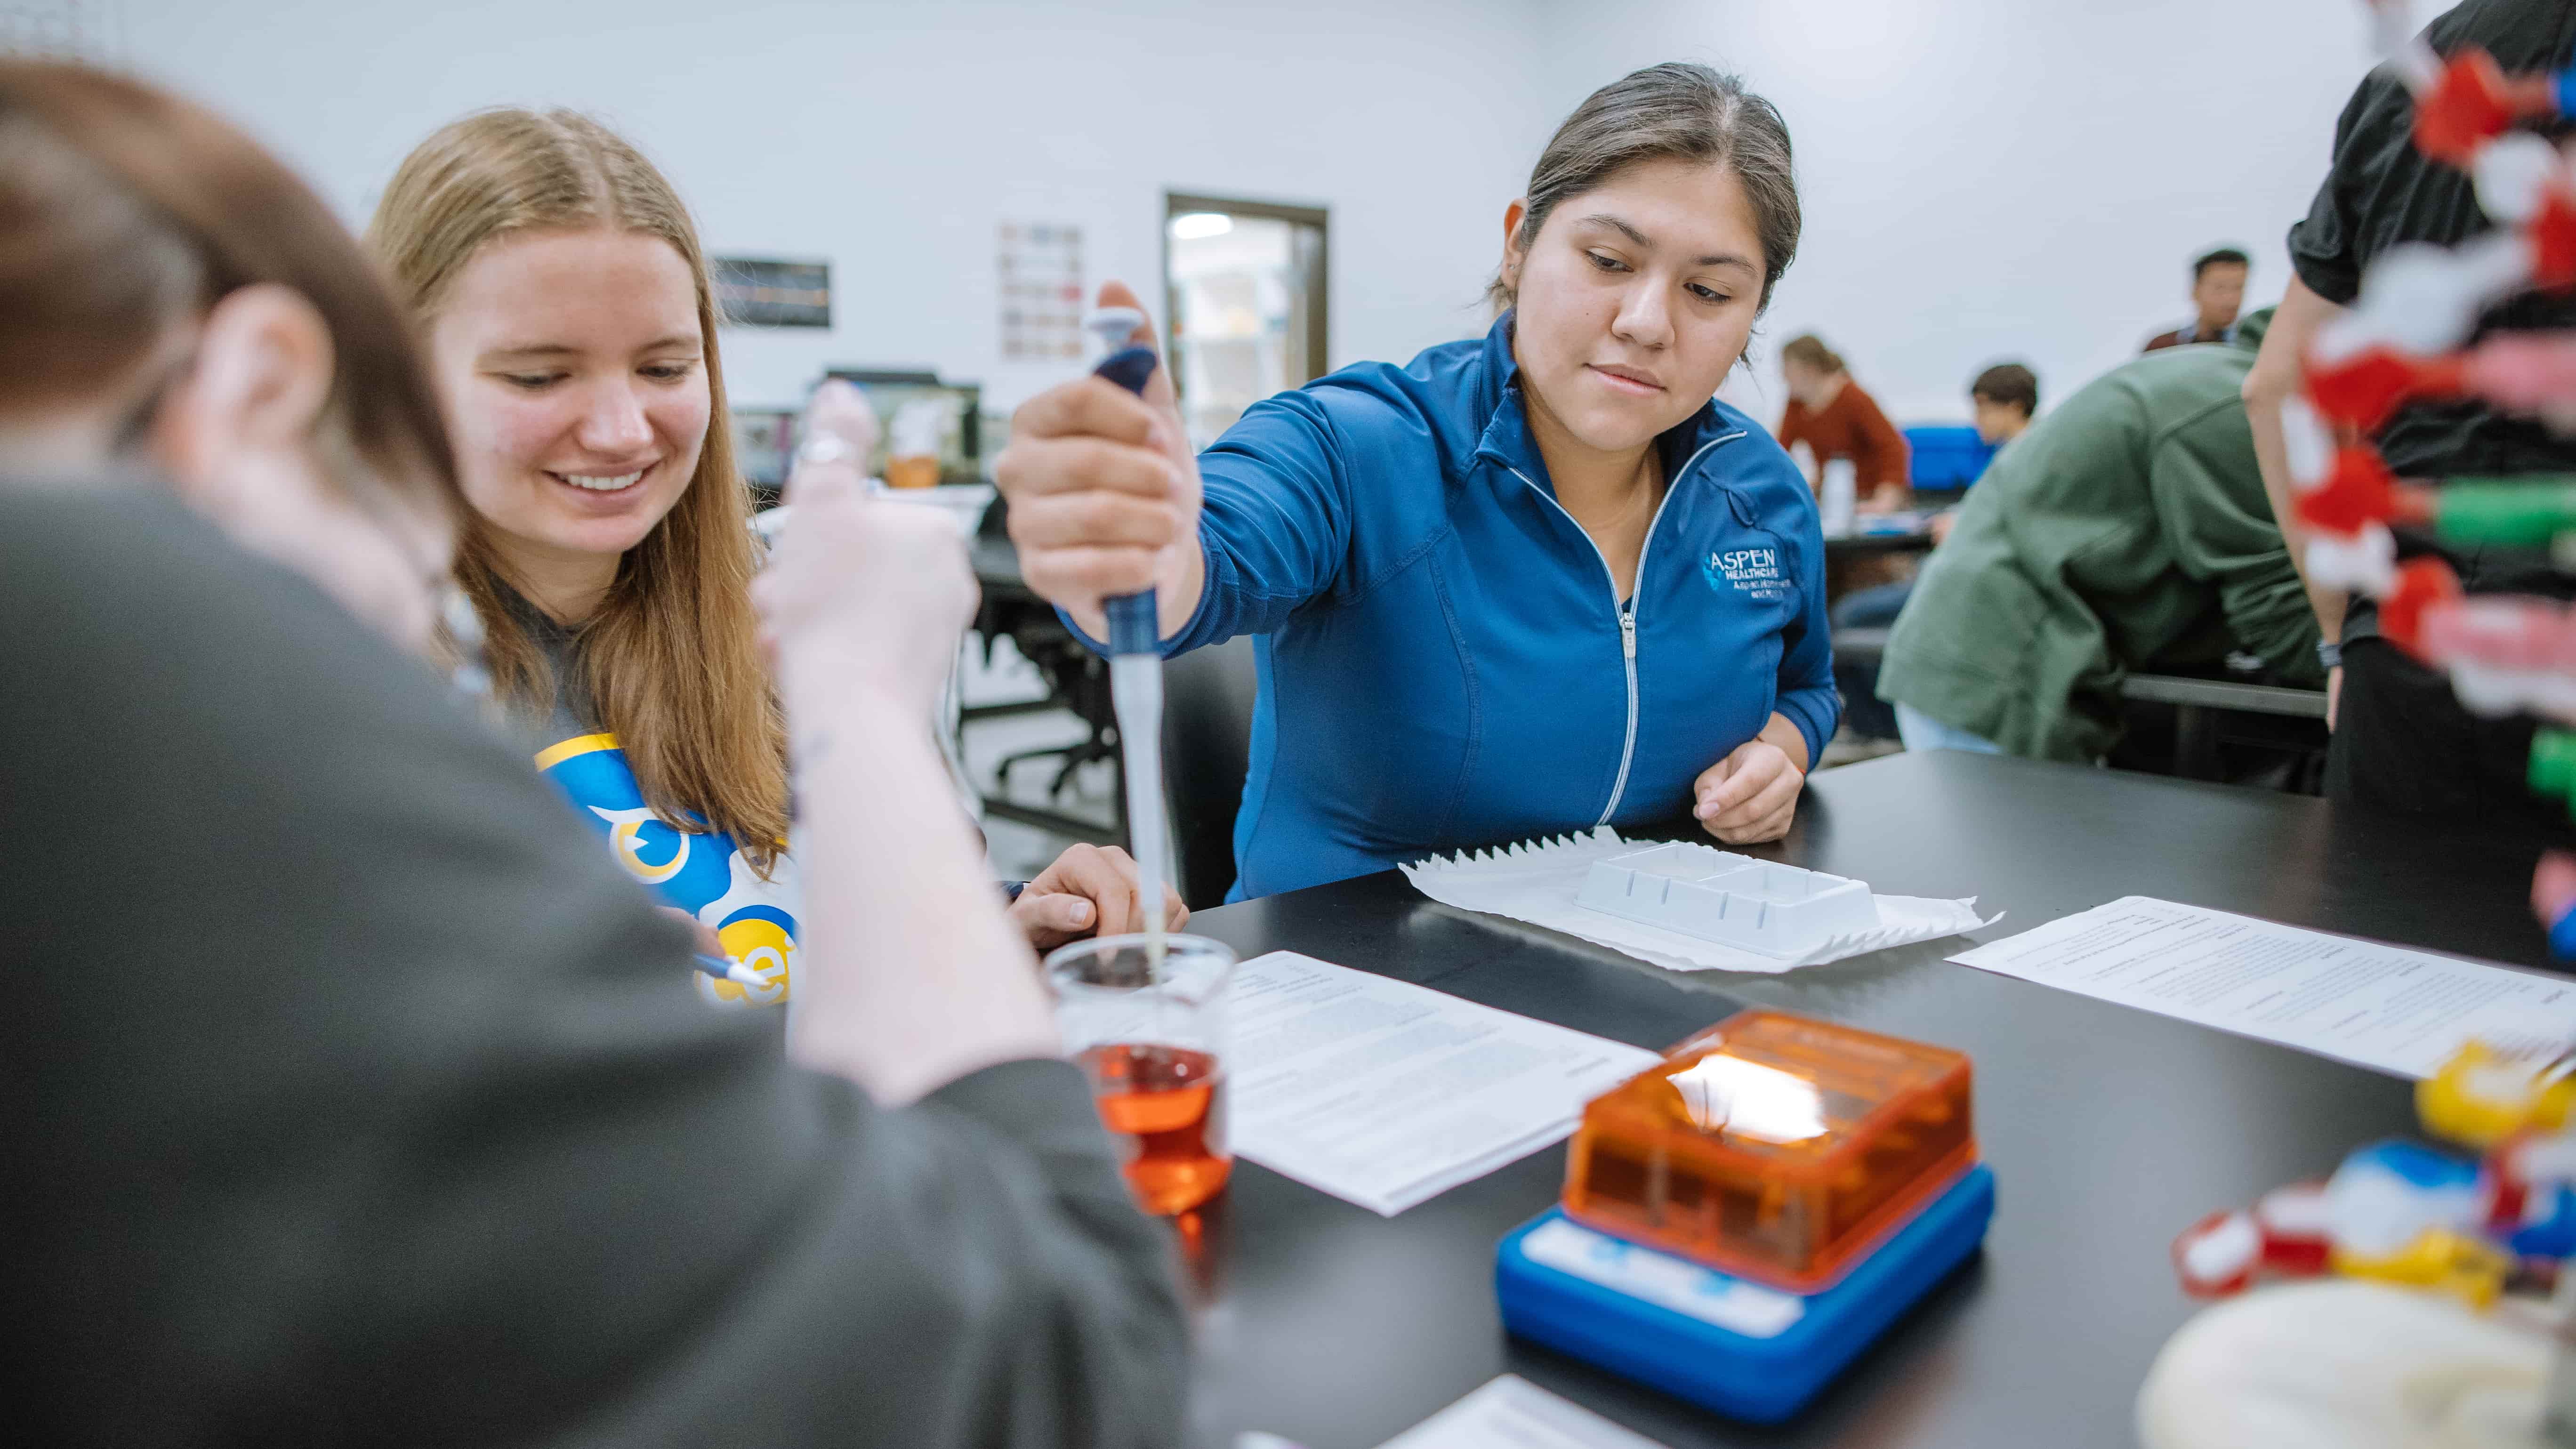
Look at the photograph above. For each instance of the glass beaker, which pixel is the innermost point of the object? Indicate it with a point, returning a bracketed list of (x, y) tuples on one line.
[(1151, 1037)]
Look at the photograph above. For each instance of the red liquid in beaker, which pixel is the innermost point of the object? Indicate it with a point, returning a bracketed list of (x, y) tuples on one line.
[(1169, 1102)]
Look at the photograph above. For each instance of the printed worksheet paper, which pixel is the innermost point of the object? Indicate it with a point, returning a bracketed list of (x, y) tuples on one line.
[(1385, 1094), (2365, 1002)]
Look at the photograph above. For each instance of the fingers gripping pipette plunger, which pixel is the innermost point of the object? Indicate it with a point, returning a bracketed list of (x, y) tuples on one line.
[(1128, 366), (1136, 663)]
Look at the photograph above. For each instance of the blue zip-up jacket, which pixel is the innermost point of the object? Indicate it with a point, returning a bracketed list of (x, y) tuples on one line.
[(1443, 662)]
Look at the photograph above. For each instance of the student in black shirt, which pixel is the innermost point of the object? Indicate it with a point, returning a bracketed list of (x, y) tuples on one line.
[(351, 1099), (2401, 740)]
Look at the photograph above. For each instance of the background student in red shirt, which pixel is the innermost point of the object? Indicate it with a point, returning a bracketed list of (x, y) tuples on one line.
[(1835, 419)]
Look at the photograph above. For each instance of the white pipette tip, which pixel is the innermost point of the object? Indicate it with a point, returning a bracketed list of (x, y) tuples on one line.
[(1113, 325)]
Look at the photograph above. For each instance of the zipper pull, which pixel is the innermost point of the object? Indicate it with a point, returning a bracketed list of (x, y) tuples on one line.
[(1628, 631)]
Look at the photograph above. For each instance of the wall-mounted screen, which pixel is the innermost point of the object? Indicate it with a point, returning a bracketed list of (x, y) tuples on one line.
[(767, 292)]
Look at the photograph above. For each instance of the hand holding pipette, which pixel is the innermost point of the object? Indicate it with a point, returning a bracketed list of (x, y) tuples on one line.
[(890, 592), (1087, 889), (911, 975), (1104, 496), (838, 411), (1136, 658), (1133, 625), (838, 432), (1104, 490)]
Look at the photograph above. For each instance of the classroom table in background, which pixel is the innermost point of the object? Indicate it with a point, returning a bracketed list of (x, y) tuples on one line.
[(1862, 558), (1853, 544), (2109, 1130), (2211, 712)]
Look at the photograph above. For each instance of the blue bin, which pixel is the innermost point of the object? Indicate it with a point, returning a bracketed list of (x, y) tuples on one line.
[(1745, 1350), (1947, 458)]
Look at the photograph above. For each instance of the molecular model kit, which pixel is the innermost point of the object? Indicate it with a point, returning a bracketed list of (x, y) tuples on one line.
[(2406, 340), (2502, 1214), (2496, 1212)]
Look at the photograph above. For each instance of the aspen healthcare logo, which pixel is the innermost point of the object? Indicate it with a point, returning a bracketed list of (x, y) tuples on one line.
[(1752, 572)]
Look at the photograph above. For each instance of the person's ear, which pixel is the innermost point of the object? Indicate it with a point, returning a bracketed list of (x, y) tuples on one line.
[(1513, 216), (259, 385)]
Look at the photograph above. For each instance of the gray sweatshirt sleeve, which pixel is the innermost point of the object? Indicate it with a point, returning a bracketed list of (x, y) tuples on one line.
[(356, 1098)]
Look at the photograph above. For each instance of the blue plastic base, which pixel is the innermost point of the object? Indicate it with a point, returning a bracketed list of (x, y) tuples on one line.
[(1744, 1350)]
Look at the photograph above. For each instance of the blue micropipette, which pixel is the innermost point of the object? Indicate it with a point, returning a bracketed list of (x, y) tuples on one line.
[(1136, 664)]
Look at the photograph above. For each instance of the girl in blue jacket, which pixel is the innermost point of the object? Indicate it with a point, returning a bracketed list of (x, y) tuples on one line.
[(1525, 584)]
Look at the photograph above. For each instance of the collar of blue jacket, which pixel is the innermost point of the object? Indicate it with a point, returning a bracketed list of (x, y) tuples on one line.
[(1443, 660)]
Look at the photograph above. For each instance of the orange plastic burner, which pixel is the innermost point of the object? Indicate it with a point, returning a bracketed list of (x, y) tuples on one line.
[(1774, 1147)]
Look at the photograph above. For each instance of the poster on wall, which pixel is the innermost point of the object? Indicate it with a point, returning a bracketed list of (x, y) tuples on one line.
[(1039, 267), (769, 292)]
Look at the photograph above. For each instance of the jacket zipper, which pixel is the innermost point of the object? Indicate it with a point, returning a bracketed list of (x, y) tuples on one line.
[(1627, 612)]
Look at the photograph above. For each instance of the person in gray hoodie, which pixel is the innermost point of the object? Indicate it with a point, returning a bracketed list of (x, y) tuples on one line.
[(352, 1100)]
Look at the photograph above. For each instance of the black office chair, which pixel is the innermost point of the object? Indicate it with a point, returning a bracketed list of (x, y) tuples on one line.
[(1076, 679), (1207, 741)]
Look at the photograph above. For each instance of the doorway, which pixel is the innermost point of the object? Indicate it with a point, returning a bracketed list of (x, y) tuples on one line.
[(1245, 287)]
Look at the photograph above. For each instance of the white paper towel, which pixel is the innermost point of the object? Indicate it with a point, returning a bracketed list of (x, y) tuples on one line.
[(1536, 881)]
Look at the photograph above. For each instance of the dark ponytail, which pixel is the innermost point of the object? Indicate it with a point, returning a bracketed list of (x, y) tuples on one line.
[(1673, 111)]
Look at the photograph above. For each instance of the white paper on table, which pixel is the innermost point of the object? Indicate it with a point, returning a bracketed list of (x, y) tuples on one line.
[(1386, 1094), (1513, 1413), (1536, 881), (2375, 1005)]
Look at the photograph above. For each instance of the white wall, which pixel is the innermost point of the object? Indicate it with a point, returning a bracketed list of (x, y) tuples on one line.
[(1992, 179), (1983, 178), (893, 138)]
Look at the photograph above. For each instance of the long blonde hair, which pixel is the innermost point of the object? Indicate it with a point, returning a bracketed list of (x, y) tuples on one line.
[(671, 654)]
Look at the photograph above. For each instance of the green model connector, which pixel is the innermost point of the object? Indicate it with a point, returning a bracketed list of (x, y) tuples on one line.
[(2524, 512), (2553, 764)]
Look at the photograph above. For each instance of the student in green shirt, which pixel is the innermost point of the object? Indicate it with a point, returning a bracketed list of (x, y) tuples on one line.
[(2126, 531)]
